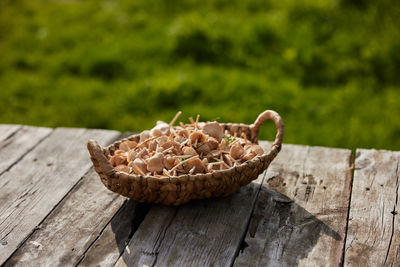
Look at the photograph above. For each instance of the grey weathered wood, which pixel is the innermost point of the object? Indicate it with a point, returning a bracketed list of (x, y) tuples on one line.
[(373, 237), (200, 233), (18, 143), (34, 186), (7, 130), (71, 227), (111, 243), (107, 248), (300, 214)]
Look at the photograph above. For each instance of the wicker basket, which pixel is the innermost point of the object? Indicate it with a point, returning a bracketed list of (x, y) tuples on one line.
[(180, 189)]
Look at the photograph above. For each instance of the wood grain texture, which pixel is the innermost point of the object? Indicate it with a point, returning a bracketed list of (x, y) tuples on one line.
[(34, 186), (373, 237), (301, 211), (71, 227), (18, 143), (201, 233), (7, 130), (111, 243)]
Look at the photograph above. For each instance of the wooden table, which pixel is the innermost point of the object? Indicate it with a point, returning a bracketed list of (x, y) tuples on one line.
[(314, 206)]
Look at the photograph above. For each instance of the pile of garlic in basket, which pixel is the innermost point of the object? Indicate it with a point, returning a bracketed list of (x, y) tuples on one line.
[(198, 147)]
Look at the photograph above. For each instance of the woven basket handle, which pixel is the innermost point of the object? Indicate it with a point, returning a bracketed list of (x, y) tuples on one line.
[(268, 115), (100, 161)]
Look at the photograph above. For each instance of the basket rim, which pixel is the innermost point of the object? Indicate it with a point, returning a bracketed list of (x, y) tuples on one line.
[(255, 160), (105, 169)]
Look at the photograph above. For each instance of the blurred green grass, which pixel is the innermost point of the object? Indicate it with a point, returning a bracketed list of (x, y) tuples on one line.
[(330, 68)]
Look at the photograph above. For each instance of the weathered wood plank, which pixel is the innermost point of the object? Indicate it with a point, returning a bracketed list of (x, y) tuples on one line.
[(113, 240), (373, 236), (7, 130), (71, 227), (200, 233), (18, 143), (40, 180), (300, 214)]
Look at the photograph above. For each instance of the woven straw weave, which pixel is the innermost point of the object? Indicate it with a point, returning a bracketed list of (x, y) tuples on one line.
[(181, 189)]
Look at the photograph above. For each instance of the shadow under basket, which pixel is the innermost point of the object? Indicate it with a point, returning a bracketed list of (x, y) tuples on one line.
[(177, 190)]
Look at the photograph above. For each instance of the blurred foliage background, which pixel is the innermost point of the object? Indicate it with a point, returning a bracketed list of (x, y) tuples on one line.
[(330, 68)]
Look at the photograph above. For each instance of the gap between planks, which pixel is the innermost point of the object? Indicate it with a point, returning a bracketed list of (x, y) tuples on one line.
[(163, 214), (66, 225), (301, 212), (202, 232), (8, 130), (374, 222), (18, 142), (127, 220), (104, 230), (154, 242), (44, 179), (353, 164)]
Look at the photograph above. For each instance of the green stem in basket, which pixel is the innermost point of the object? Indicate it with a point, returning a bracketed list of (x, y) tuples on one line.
[(229, 139)]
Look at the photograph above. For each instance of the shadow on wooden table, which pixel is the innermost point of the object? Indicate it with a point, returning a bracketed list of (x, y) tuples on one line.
[(282, 232), (127, 221)]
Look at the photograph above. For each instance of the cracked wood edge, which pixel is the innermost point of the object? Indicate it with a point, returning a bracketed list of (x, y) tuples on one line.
[(40, 181), (7, 130), (201, 233), (18, 143), (301, 212), (373, 237), (71, 227), (110, 244)]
